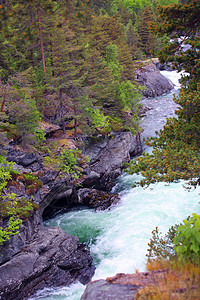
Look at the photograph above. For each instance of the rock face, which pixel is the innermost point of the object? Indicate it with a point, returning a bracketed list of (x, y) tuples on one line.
[(18, 242), (121, 286), (52, 258), (99, 200), (154, 83), (100, 289), (46, 257), (107, 157)]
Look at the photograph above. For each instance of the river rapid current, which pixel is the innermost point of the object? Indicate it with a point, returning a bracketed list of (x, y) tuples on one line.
[(118, 238)]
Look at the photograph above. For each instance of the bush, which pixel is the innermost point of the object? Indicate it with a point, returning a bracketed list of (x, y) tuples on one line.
[(182, 241), (187, 239), (69, 162), (161, 247), (12, 209)]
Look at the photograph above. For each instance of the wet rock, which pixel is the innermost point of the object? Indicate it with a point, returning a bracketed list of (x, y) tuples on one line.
[(101, 289), (91, 178), (108, 155), (53, 258), (46, 257), (153, 81), (97, 199), (121, 286)]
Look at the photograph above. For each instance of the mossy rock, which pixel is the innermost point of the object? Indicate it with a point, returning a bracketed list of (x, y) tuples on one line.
[(51, 163), (70, 125)]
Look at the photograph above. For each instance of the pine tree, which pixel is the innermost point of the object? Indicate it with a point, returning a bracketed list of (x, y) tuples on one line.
[(100, 79), (148, 41), (176, 149), (133, 40)]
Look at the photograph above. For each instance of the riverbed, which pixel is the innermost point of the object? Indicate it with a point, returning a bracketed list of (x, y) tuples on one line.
[(118, 238)]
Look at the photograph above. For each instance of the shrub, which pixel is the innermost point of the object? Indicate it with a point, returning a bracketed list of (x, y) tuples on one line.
[(161, 247), (12, 209), (69, 162), (187, 239)]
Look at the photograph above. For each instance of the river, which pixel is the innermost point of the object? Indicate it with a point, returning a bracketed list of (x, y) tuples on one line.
[(118, 238)]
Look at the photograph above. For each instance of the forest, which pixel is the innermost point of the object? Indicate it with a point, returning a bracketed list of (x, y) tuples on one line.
[(72, 64)]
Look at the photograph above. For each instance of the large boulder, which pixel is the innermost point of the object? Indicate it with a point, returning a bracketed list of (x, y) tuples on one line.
[(154, 83), (99, 200), (100, 289), (53, 258), (121, 286), (107, 156)]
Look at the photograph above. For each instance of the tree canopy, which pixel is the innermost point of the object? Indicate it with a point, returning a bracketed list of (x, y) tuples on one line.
[(176, 148)]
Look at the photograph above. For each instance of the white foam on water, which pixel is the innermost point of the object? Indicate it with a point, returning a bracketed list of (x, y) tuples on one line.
[(118, 238)]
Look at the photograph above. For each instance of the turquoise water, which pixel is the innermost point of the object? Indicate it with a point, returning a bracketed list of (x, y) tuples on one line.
[(118, 238)]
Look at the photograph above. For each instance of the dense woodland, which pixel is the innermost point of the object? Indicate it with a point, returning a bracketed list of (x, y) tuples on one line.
[(72, 63)]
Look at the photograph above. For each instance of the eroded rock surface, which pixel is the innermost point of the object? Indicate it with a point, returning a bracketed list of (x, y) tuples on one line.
[(51, 258), (107, 157), (154, 83), (121, 286)]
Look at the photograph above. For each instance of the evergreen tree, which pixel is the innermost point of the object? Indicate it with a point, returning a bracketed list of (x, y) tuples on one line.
[(176, 150), (133, 40), (20, 106), (148, 42), (100, 79)]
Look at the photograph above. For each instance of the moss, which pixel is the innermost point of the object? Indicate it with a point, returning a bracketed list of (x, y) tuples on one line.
[(70, 125), (51, 163), (10, 129), (31, 182)]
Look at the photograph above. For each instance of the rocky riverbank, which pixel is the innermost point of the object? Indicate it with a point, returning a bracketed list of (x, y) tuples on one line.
[(150, 78), (44, 257), (49, 256)]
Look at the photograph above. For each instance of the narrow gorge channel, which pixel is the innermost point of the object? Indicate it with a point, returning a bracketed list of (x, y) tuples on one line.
[(118, 238)]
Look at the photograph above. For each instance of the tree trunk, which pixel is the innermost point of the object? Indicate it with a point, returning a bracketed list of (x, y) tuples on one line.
[(42, 48), (3, 96), (75, 128), (61, 107)]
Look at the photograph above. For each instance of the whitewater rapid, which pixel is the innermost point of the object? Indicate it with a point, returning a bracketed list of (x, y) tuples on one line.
[(118, 238)]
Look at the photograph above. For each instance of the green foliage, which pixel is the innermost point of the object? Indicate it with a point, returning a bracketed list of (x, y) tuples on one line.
[(10, 230), (187, 239), (181, 23), (5, 169), (162, 247), (147, 40), (113, 61), (98, 120), (40, 135), (181, 241), (136, 5), (175, 152), (12, 210), (175, 156), (69, 163), (26, 117), (128, 96), (18, 208)]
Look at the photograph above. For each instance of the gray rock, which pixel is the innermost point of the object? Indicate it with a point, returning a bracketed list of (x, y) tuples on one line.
[(31, 160), (53, 258), (17, 242), (101, 289), (112, 153), (45, 257), (153, 81), (91, 178), (97, 199)]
